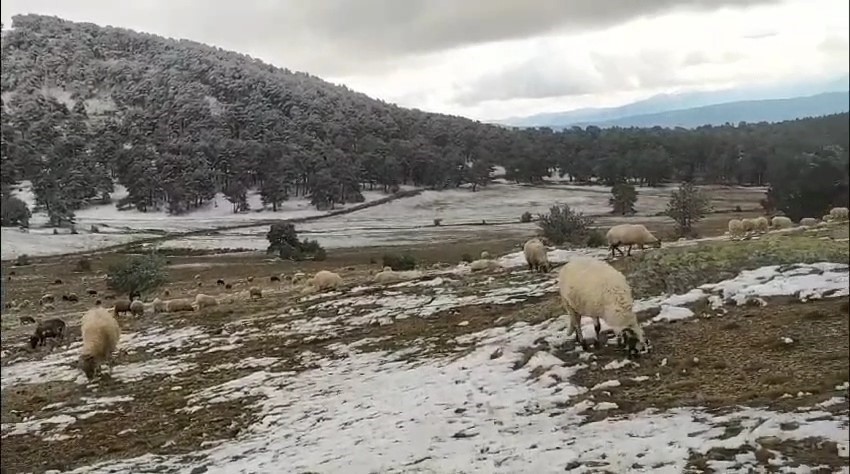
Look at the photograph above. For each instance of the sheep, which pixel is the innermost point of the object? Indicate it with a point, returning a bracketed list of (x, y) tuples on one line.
[(57, 281), (27, 320), (24, 304), (387, 275), (324, 280), (179, 304), (46, 298), (71, 297), (484, 265), (485, 255), (535, 255), (749, 225), (630, 234), (158, 306), (781, 222), (91, 291), (254, 291), (121, 306), (591, 287), (250, 279), (197, 276), (228, 286), (736, 228), (137, 308), (762, 225), (296, 278), (202, 301), (826, 218), (839, 214), (50, 328), (220, 282), (809, 221), (100, 332), (274, 278), (48, 307)]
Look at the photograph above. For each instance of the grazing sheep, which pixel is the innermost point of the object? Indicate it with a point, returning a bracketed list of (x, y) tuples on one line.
[(274, 278), (485, 255), (809, 221), (100, 332), (91, 292), (250, 279), (484, 265), (762, 225), (736, 228), (158, 306), (166, 293), (324, 280), (27, 320), (48, 307), (749, 225), (46, 298), (781, 222), (50, 328), (202, 301), (197, 276), (228, 286), (71, 297), (387, 275), (137, 308), (121, 306), (57, 281), (180, 304), (220, 282), (254, 291), (98, 302), (839, 214), (535, 255), (630, 234), (24, 304), (591, 287)]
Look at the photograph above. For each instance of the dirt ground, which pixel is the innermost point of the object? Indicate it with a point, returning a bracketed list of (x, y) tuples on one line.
[(716, 360)]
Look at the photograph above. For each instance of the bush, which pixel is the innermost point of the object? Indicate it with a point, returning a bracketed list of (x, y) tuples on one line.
[(22, 260), (137, 274), (437, 222), (595, 238), (687, 206), (399, 262), (466, 258), (525, 217), (74, 230), (283, 240), (94, 229), (562, 224), (623, 199), (14, 212), (83, 265)]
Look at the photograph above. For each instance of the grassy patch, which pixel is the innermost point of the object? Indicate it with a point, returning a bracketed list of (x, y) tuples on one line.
[(677, 270)]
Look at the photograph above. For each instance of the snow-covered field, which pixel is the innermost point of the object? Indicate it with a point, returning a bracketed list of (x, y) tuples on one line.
[(406, 221), (327, 386)]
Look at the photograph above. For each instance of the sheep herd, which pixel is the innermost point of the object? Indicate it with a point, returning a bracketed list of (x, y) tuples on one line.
[(587, 287)]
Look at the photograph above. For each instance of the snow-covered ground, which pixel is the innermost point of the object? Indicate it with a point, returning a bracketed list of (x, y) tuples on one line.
[(413, 410)]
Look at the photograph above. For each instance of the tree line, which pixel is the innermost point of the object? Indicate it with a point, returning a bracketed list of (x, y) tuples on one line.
[(175, 122)]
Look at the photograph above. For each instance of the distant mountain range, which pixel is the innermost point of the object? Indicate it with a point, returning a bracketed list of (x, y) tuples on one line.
[(693, 109)]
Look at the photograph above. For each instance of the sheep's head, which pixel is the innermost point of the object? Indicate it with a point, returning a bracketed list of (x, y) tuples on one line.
[(88, 365), (635, 344), (656, 244)]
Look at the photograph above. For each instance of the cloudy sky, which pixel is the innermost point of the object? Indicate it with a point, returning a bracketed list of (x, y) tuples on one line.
[(492, 59)]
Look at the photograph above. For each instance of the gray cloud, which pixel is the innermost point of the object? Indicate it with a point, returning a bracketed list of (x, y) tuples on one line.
[(339, 37)]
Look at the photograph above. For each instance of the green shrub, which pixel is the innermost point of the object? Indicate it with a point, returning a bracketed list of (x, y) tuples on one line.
[(283, 240), (525, 217), (137, 273), (595, 238), (83, 265), (562, 225), (399, 262), (22, 260), (466, 258)]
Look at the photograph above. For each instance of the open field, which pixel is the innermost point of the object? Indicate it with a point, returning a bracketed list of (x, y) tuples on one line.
[(406, 221), (453, 372)]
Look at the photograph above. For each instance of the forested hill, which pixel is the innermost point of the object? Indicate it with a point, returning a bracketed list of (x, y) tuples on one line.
[(176, 121)]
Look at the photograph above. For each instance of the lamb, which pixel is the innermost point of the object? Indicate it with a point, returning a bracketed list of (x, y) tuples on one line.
[(839, 214), (46, 298), (137, 308), (736, 228), (781, 222), (826, 218), (179, 304), (324, 280), (121, 306), (484, 264), (100, 333), (158, 306), (387, 275), (762, 225), (749, 225), (202, 301), (254, 291), (535, 255), (630, 234), (591, 287), (50, 328), (809, 221)]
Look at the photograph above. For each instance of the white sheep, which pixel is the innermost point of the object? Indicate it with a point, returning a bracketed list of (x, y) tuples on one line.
[(535, 255), (839, 214), (484, 264), (324, 280), (179, 304), (485, 255), (761, 224), (46, 298), (158, 306), (48, 307), (137, 308), (736, 228), (781, 222), (100, 333), (387, 275), (809, 221), (826, 218), (202, 301), (593, 288), (749, 225), (630, 234), (255, 291)]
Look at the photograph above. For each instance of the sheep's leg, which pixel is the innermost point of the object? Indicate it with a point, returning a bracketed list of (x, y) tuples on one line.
[(598, 327), (579, 334), (629, 252)]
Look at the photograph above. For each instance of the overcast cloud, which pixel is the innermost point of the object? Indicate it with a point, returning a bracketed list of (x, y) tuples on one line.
[(495, 58)]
